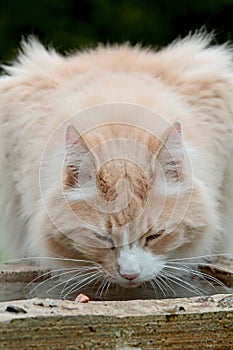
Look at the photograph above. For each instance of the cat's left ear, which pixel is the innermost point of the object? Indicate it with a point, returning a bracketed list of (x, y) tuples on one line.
[(77, 155), (171, 156), (75, 146)]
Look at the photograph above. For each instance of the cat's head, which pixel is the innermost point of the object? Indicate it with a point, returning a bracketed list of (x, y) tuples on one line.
[(133, 204)]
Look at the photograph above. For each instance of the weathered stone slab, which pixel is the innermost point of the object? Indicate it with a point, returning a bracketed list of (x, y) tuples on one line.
[(187, 323), (204, 322)]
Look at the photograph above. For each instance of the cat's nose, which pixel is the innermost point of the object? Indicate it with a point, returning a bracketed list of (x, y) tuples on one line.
[(130, 277)]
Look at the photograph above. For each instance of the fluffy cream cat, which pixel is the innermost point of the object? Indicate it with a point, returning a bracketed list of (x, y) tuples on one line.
[(118, 159)]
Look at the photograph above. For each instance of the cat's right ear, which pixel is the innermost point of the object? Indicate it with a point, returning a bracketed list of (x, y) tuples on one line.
[(172, 153), (77, 153)]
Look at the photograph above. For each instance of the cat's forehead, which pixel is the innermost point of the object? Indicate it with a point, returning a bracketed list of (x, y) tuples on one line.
[(121, 178)]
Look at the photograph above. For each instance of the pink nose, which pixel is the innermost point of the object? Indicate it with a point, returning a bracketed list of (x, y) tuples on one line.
[(130, 277)]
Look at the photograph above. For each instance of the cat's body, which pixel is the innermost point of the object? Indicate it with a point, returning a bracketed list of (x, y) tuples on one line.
[(188, 82)]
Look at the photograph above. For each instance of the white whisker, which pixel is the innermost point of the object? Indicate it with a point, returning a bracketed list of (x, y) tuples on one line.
[(182, 283), (81, 271), (205, 277), (45, 274), (74, 278), (47, 258), (208, 256), (157, 283), (167, 283), (153, 286), (47, 280), (160, 285), (75, 286), (102, 289), (109, 284), (68, 281), (100, 286)]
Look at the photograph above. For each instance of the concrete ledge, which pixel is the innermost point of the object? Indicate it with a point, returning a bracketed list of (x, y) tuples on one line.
[(204, 322), (193, 323)]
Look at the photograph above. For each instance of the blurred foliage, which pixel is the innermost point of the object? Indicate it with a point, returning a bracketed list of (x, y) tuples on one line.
[(69, 24)]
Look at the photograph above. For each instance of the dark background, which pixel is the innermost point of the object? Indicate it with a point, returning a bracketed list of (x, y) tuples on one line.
[(69, 24)]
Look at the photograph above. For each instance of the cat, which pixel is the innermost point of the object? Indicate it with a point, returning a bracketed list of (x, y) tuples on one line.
[(119, 159)]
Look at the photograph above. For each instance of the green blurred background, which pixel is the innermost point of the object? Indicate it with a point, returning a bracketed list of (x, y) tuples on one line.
[(68, 24)]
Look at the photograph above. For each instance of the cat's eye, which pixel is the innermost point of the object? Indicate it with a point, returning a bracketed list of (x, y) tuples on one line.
[(113, 248), (154, 236)]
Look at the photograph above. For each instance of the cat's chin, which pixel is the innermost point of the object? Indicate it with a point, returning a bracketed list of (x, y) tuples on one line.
[(130, 284)]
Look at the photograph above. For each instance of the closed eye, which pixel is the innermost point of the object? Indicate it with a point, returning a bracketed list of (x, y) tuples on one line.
[(154, 236), (104, 238)]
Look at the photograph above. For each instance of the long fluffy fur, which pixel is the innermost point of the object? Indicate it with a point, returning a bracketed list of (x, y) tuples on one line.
[(190, 81)]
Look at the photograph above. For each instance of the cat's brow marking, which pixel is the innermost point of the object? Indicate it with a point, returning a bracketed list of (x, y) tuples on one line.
[(108, 225)]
